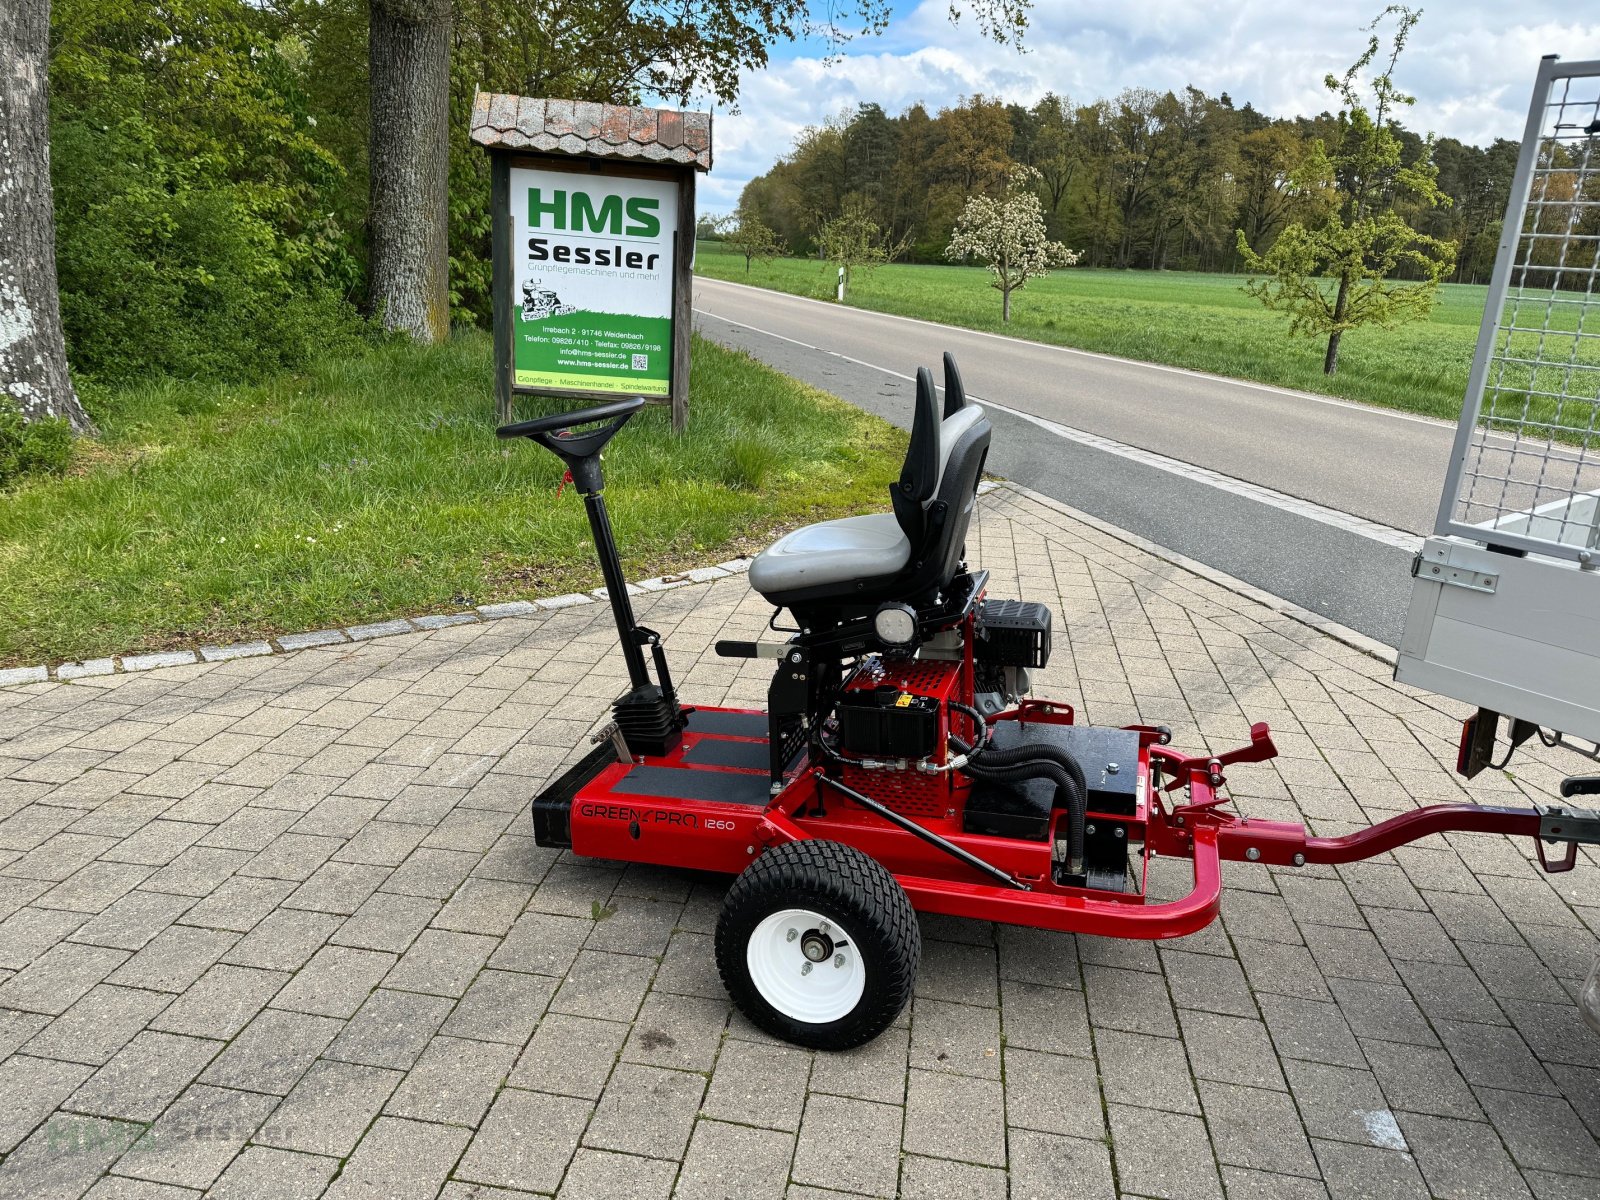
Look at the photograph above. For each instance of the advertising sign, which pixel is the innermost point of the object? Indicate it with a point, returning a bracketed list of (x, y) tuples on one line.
[(592, 281)]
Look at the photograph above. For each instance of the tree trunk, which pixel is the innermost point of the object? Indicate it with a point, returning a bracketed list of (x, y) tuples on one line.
[(408, 48), (33, 352), (1330, 361), (1005, 305)]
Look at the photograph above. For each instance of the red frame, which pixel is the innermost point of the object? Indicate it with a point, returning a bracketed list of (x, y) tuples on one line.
[(727, 836)]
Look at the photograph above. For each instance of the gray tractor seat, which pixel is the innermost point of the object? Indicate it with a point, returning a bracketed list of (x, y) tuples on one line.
[(832, 552), (855, 552)]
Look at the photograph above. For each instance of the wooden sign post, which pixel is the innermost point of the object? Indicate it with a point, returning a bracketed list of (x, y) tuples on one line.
[(593, 247)]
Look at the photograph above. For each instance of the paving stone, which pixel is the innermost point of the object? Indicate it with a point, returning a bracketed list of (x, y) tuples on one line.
[(758, 1084), (1281, 969), (1541, 1132), (1045, 1018), (1342, 1104), (118, 1187), (1349, 954), (55, 981), (637, 926), (526, 1141), (876, 1071), (955, 1037), (646, 1110), (600, 984), (1053, 1093), (336, 982), (955, 1116), (1360, 1172), (1148, 1071), (1382, 1010), (145, 1076), (197, 1137), (942, 1179), (542, 943), (386, 921), (962, 973), (16, 1028), (682, 1032), (501, 1006), (33, 1088), (1494, 1056), (487, 906), (1046, 1167), (272, 1052), (262, 1173), (221, 1002), (29, 932), (1162, 1155), (330, 1108), (283, 941), (1251, 1127), (689, 967), (64, 1157), (726, 1161), (1128, 1000), (133, 920), (1461, 1160), (174, 959), (453, 1082), (1421, 1079), (391, 1029), (98, 1025), (382, 843), (1310, 1030), (1242, 1184), (849, 1145), (441, 963), (95, 886), (400, 1158), (1208, 982)]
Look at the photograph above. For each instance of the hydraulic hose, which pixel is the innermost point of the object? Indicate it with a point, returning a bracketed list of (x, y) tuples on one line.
[(1036, 760)]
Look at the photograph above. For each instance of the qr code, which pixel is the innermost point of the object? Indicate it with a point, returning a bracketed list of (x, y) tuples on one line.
[(641, 362)]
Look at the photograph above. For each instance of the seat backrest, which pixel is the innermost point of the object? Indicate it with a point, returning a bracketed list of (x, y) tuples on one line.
[(919, 476), (950, 510), (955, 395)]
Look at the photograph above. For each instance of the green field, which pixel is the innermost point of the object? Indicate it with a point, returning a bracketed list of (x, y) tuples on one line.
[(374, 486), (1204, 322)]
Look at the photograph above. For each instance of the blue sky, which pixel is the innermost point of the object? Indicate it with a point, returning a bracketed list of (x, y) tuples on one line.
[(1470, 65)]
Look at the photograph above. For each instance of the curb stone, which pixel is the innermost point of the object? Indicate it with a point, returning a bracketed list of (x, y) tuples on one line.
[(284, 643)]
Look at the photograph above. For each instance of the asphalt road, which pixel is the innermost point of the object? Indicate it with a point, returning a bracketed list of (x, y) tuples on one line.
[(1315, 500)]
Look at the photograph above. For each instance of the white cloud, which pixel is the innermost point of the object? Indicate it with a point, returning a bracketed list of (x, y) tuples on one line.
[(1470, 64)]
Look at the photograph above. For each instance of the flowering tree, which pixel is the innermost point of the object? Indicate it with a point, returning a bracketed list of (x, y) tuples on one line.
[(1008, 235)]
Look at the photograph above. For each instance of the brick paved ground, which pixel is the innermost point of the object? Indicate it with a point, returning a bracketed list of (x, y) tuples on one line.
[(276, 927)]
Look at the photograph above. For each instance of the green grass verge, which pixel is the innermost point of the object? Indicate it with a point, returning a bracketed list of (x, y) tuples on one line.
[(373, 486), (1204, 322)]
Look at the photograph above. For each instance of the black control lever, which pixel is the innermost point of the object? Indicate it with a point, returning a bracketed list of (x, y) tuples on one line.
[(1581, 785)]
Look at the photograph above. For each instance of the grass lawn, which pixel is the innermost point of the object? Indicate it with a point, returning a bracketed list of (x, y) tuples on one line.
[(373, 487), (1204, 322)]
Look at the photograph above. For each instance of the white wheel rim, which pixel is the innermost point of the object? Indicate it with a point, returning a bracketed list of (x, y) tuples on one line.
[(801, 987)]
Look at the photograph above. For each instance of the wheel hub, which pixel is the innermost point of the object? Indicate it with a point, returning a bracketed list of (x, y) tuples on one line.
[(816, 946)]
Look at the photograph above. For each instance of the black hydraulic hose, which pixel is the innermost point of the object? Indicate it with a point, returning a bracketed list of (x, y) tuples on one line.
[(1038, 760)]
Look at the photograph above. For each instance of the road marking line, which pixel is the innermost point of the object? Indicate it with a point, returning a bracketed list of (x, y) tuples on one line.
[(1388, 535), (1394, 414)]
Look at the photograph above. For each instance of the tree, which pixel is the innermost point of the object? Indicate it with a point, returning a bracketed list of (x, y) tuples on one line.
[(854, 241), (33, 352), (1365, 240), (754, 240), (408, 286), (1008, 236)]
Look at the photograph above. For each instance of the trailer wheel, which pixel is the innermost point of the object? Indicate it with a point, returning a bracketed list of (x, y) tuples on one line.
[(818, 945)]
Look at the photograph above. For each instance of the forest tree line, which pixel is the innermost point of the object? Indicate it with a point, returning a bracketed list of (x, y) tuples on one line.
[(1155, 180)]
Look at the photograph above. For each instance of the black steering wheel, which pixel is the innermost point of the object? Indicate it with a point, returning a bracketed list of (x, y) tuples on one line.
[(555, 432)]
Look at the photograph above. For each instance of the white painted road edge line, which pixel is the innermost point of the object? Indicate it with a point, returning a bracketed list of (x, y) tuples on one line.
[(1415, 418), (1399, 539)]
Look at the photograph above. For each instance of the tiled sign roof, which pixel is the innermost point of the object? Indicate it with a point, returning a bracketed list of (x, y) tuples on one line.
[(505, 122)]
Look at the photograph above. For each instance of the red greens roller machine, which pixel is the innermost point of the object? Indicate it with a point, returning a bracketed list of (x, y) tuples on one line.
[(898, 768)]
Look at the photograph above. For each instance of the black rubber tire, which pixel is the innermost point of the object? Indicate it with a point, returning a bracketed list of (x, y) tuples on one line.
[(846, 886)]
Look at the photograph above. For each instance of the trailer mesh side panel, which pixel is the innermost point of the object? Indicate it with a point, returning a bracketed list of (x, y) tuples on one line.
[(1526, 472)]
